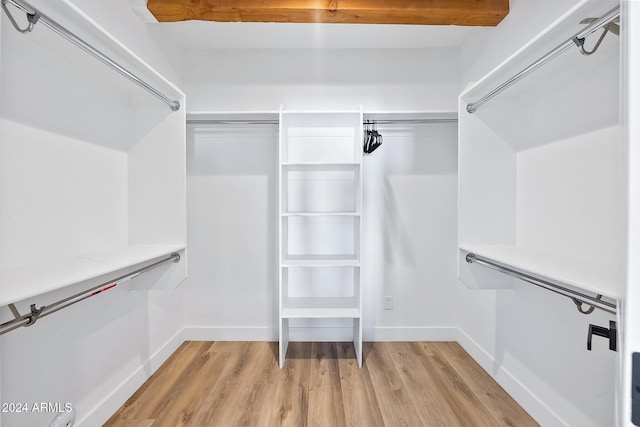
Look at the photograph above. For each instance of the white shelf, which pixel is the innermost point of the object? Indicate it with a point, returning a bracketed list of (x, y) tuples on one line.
[(310, 308), (579, 274), (320, 166), (320, 261), (18, 284), (356, 214), (554, 91), (320, 187)]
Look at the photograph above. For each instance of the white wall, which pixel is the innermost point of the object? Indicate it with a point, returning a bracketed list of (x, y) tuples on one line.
[(231, 292), (409, 234), (378, 79), (531, 340)]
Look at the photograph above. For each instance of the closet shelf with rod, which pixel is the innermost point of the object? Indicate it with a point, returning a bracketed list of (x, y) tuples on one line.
[(22, 283), (258, 118), (147, 259), (35, 16), (551, 273), (539, 197), (577, 40)]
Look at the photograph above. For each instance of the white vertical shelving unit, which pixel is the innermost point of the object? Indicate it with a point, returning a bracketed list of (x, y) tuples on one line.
[(320, 220)]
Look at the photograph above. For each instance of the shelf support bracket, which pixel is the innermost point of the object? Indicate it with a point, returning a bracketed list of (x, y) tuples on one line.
[(14, 311), (579, 41), (579, 304), (35, 313), (32, 18)]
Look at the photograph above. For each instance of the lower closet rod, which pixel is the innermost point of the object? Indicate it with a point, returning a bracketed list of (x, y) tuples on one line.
[(45, 310), (577, 297)]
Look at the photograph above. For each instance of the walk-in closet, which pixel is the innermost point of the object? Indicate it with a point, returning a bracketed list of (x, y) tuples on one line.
[(300, 214)]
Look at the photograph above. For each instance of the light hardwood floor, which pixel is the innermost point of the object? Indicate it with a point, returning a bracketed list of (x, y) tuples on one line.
[(412, 384)]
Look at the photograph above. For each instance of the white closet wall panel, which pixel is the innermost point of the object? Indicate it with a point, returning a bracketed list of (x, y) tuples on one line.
[(232, 206), (39, 170), (157, 177), (409, 228), (573, 201)]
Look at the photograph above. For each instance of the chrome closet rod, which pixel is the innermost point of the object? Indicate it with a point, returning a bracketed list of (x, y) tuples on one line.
[(31, 318), (605, 19), (562, 290), (276, 122), (231, 122), (86, 47)]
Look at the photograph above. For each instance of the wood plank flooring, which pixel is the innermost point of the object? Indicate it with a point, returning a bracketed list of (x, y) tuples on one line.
[(412, 384)]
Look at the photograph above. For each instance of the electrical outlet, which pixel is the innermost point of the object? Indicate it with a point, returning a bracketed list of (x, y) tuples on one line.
[(388, 303)]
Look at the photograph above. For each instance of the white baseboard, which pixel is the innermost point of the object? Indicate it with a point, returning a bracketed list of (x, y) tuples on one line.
[(221, 333), (111, 403), (525, 398), (404, 333)]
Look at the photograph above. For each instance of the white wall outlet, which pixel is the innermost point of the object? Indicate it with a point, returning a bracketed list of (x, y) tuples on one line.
[(388, 303)]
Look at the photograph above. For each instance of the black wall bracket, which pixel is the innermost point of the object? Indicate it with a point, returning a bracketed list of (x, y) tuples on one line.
[(610, 333)]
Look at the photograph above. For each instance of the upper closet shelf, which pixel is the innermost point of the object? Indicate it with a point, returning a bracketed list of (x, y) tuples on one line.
[(233, 117), (581, 24), (107, 50), (18, 284), (549, 80), (319, 166)]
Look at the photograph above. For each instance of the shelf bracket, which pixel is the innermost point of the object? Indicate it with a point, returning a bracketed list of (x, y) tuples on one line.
[(579, 304), (14, 311), (612, 26), (35, 313), (32, 18)]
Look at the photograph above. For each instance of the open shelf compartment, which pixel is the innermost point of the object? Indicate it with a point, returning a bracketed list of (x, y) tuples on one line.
[(316, 137), (320, 239), (321, 188)]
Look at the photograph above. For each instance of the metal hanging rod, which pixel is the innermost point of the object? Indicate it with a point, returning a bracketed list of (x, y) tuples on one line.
[(35, 16), (276, 122), (232, 122), (576, 40), (37, 313), (577, 297), (411, 121)]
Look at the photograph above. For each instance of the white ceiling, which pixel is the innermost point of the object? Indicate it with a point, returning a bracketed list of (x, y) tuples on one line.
[(218, 35)]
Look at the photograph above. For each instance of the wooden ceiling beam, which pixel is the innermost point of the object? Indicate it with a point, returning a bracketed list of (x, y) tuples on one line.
[(410, 12)]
